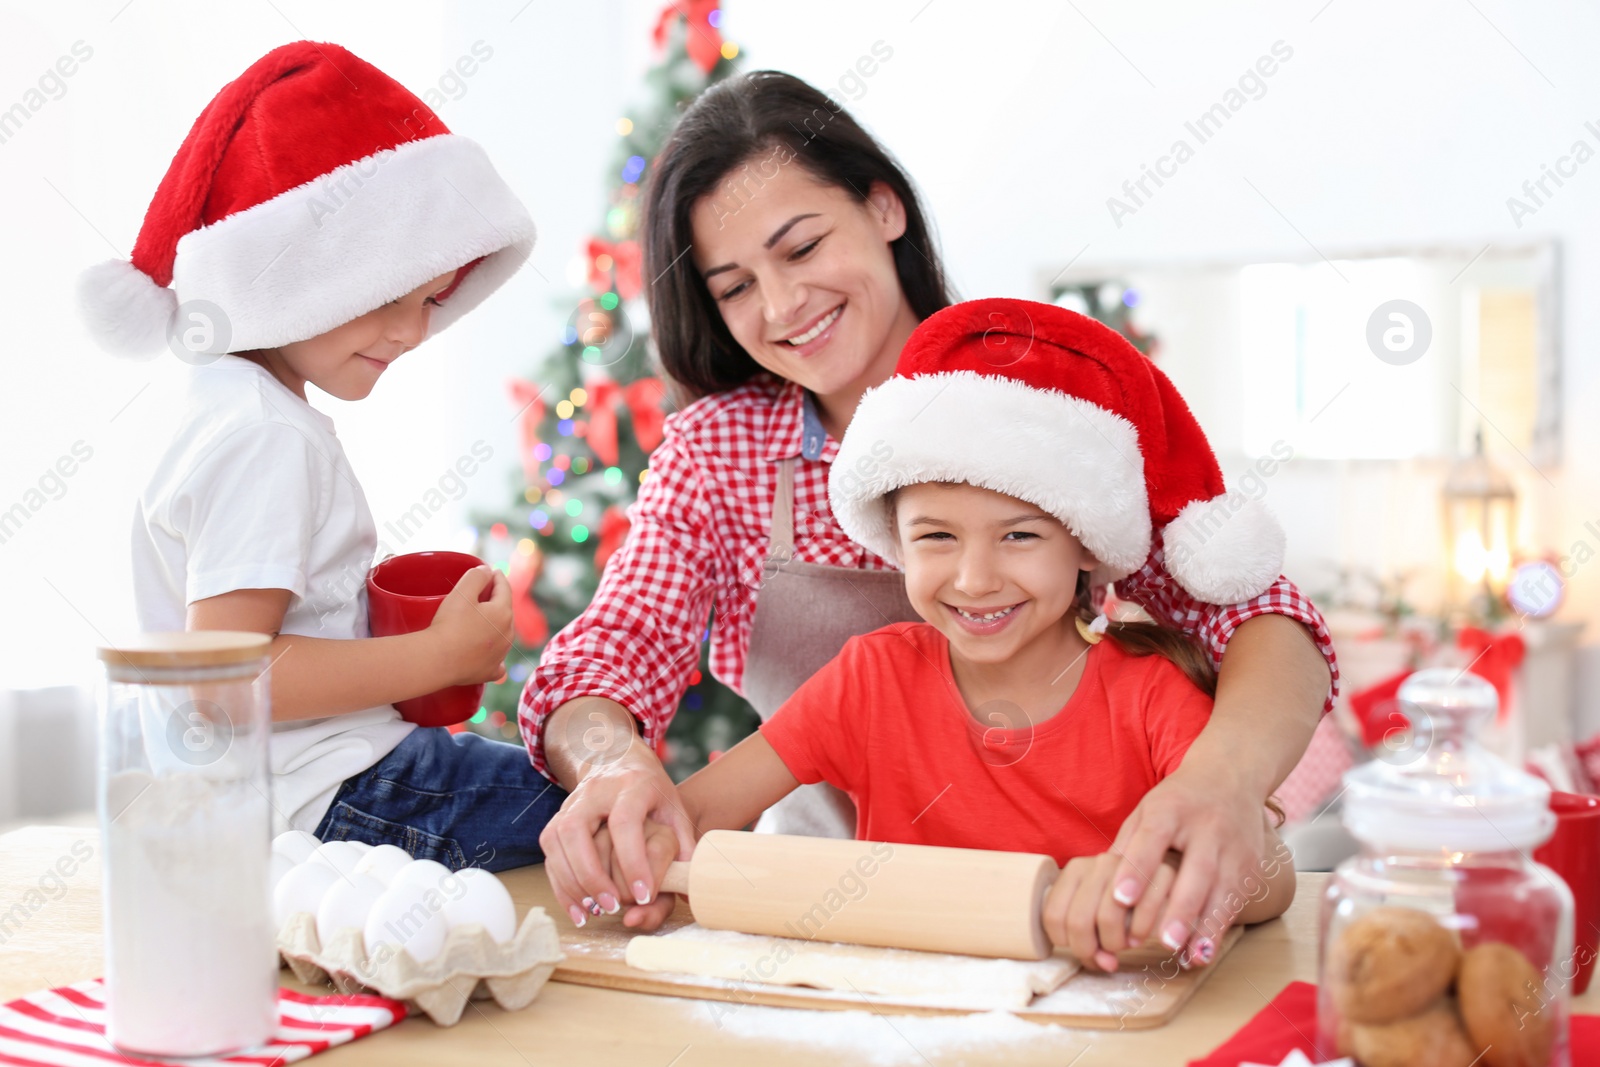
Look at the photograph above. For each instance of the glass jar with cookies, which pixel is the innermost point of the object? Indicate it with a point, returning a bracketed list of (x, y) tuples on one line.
[(1442, 940)]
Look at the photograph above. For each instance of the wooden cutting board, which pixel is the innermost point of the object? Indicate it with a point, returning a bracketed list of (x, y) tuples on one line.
[(1148, 991)]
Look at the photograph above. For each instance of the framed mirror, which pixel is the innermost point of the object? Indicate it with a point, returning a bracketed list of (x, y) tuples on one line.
[(1401, 354)]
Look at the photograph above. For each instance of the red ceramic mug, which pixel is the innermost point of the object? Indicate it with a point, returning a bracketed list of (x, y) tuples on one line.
[(403, 595), (1574, 853)]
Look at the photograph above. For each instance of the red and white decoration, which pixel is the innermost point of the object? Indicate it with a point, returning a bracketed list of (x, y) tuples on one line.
[(1057, 409), (312, 189), (67, 1026)]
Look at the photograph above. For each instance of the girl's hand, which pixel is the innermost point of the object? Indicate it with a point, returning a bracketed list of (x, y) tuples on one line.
[(661, 846), (1082, 915), (472, 636), (628, 797)]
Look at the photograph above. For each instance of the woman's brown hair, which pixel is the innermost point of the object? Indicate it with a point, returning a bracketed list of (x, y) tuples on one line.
[(732, 123)]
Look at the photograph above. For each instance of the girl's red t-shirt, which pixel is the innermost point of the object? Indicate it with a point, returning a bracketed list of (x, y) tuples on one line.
[(885, 722)]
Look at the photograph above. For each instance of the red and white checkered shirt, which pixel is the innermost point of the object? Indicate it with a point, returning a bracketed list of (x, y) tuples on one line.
[(699, 535)]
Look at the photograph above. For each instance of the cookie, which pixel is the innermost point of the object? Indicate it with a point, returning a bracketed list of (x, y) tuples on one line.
[(1389, 964), (1499, 990), (1432, 1038)]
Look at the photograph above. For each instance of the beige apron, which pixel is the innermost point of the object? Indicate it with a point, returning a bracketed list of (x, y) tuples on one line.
[(805, 612)]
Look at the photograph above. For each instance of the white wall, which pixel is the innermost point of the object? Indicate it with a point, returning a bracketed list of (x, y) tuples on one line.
[(1391, 125)]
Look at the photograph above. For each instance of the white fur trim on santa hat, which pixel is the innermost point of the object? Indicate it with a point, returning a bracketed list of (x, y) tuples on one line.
[(1072, 458), (1225, 550), (127, 313), (333, 249)]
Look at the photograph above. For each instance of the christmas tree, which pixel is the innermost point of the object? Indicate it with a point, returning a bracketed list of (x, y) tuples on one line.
[(593, 411)]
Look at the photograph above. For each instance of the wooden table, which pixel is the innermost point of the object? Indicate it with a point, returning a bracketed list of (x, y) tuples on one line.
[(50, 936)]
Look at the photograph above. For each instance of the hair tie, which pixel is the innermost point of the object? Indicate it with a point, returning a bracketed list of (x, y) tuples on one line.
[(1092, 632)]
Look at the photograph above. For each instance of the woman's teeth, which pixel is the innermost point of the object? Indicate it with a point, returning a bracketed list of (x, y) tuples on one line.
[(990, 617), (816, 331)]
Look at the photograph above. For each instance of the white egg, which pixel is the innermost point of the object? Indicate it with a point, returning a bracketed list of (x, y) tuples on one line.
[(427, 874), (383, 863), (341, 856), (362, 847), (295, 845), (278, 865), (483, 902), (301, 890), (402, 919), (346, 905)]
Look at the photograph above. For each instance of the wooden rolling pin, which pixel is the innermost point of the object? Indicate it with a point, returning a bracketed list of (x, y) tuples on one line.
[(868, 893)]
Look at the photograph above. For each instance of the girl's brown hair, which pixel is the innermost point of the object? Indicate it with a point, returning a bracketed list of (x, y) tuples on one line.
[(733, 123)]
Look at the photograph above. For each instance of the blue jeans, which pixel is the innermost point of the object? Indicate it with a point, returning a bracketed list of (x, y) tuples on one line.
[(461, 799)]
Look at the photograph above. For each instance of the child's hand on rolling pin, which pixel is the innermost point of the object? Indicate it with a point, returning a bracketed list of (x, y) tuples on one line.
[(1082, 915), (661, 847)]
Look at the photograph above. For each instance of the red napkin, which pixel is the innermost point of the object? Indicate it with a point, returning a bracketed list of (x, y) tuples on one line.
[(67, 1027), (1289, 1022)]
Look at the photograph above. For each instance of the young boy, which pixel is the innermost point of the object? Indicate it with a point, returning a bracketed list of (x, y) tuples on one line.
[(318, 223)]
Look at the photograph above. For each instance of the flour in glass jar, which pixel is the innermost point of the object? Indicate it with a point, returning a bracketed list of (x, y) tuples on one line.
[(191, 957)]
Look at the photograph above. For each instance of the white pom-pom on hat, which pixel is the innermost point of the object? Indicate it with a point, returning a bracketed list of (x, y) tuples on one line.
[(126, 311), (1224, 550)]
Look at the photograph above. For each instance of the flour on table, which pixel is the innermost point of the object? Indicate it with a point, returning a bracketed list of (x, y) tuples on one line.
[(908, 977), (866, 1037)]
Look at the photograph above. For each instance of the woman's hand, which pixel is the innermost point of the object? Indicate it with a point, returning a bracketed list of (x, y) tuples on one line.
[(471, 637), (620, 794), (1082, 915), (1222, 837)]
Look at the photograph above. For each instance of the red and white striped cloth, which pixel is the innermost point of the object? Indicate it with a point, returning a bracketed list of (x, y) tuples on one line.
[(66, 1027)]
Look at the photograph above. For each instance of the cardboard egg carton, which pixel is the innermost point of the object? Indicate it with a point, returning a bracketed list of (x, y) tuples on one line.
[(471, 966)]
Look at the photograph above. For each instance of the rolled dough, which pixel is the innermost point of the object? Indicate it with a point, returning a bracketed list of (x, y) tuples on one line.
[(901, 975)]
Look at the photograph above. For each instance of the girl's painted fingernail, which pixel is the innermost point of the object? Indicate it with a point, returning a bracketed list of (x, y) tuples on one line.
[(608, 903), (641, 893), (577, 915), (590, 906), (1204, 950), (1126, 893), (1174, 934)]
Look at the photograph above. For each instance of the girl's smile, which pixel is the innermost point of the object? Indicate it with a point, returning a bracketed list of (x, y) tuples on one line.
[(984, 621)]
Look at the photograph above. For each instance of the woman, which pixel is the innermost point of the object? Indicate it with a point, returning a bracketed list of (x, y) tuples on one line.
[(791, 260)]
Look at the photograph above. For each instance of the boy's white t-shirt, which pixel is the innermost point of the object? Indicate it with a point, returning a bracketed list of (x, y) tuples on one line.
[(255, 492)]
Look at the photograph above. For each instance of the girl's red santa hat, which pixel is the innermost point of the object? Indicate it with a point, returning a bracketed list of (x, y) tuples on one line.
[(1054, 408), (312, 189)]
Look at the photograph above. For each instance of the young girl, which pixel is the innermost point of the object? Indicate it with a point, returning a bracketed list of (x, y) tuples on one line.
[(317, 224), (1018, 448), (790, 260)]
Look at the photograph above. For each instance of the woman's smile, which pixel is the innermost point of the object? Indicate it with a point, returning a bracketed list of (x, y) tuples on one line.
[(817, 334)]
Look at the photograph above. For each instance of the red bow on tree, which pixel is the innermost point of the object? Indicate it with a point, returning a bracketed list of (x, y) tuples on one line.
[(626, 266), (643, 399), (613, 531), (1493, 659), (704, 40), (527, 618), (527, 397)]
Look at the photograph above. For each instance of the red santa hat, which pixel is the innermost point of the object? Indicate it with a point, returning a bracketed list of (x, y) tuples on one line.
[(1054, 408), (311, 190)]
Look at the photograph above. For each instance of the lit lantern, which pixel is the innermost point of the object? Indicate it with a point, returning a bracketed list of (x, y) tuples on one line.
[(1480, 522)]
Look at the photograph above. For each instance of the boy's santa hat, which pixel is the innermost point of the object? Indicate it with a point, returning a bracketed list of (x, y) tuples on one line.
[(1054, 408), (312, 189)]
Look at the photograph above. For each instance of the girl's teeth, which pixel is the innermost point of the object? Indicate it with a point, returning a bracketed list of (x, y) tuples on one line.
[(989, 617), (816, 331)]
